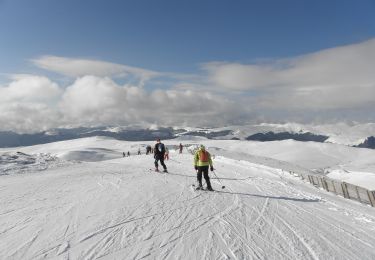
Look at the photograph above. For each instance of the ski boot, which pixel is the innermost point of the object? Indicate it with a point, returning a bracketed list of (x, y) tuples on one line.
[(209, 185), (200, 186)]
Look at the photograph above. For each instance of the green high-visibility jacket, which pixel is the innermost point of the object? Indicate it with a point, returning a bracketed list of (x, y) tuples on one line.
[(202, 158)]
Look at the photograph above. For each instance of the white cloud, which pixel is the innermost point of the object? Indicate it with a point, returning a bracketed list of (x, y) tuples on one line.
[(28, 103), (28, 117), (234, 76), (342, 66), (339, 77), (97, 100), (29, 88), (90, 100), (89, 97), (72, 67)]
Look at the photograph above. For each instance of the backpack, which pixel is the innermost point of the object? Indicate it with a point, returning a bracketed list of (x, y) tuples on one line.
[(161, 148), (203, 156)]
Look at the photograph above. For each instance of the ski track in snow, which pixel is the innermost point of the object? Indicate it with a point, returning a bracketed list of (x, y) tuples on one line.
[(119, 209)]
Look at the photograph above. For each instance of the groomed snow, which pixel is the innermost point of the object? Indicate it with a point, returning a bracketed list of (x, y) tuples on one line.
[(111, 207)]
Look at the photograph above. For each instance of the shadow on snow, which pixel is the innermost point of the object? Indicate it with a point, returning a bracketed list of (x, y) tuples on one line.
[(250, 194), (269, 197)]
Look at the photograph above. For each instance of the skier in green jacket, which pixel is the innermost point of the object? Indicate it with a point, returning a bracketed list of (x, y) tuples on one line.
[(202, 161)]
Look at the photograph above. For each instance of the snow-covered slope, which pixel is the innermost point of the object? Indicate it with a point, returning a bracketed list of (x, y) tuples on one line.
[(361, 179), (340, 133), (118, 208), (310, 155)]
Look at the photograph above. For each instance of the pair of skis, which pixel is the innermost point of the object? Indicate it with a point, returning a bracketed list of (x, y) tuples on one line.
[(163, 171), (193, 185), (197, 188)]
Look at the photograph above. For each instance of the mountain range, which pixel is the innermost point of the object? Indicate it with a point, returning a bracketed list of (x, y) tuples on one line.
[(356, 135)]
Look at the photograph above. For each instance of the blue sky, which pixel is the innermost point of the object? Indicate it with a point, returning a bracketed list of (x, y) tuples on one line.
[(186, 46), (177, 35)]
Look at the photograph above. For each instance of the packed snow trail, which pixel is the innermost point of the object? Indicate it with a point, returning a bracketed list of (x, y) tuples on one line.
[(119, 209)]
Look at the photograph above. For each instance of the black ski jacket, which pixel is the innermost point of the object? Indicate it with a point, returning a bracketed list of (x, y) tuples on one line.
[(159, 150)]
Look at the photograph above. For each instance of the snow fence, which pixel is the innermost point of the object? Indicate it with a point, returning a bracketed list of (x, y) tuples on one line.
[(340, 188)]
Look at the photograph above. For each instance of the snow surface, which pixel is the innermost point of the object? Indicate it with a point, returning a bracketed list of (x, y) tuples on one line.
[(101, 205), (361, 179)]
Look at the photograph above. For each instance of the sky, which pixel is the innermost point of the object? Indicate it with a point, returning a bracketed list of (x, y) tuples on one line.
[(185, 63)]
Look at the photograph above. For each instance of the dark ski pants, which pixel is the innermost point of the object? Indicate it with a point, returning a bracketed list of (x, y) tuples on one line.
[(204, 170), (161, 159)]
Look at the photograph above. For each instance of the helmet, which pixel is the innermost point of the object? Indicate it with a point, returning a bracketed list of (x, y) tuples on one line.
[(202, 147)]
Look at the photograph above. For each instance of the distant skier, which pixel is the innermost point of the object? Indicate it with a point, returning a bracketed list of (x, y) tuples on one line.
[(139, 151), (202, 160), (123, 154), (166, 155), (128, 153), (181, 147), (159, 151), (148, 149)]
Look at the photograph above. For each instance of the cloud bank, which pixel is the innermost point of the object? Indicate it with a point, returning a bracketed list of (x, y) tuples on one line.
[(81, 67), (336, 83), (335, 78), (27, 105)]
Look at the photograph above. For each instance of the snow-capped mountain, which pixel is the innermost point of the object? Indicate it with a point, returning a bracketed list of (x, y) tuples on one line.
[(353, 135)]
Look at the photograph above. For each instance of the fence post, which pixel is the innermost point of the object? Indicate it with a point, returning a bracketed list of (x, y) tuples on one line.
[(325, 185), (359, 197), (315, 181), (371, 196), (345, 190), (309, 176), (334, 187)]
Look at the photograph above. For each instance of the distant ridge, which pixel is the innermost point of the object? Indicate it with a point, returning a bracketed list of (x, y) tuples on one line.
[(350, 135), (11, 139), (368, 143), (303, 137)]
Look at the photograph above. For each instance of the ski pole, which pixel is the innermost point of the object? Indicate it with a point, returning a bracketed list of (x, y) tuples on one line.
[(222, 186)]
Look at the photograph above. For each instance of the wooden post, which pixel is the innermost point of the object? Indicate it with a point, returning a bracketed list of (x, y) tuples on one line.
[(315, 181), (356, 190), (334, 186), (310, 180), (322, 182), (371, 196), (345, 190), (325, 185)]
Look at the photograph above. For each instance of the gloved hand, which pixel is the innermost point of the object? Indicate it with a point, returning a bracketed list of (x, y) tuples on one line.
[(196, 167), (212, 168)]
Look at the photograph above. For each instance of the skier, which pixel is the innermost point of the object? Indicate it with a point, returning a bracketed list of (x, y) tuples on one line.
[(181, 147), (128, 153), (148, 149), (139, 151), (159, 151), (123, 154), (166, 156), (202, 160)]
